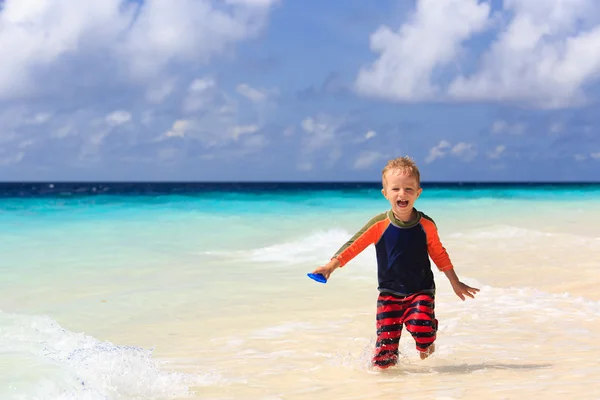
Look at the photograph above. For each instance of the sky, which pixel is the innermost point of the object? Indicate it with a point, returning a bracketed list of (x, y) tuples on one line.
[(299, 90)]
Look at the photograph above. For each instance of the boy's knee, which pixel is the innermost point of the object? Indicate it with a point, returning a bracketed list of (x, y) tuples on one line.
[(424, 332), (421, 325)]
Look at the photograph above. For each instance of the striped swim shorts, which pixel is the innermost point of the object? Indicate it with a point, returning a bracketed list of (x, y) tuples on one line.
[(416, 312)]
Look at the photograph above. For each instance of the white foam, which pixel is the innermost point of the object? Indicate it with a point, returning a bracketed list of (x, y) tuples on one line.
[(544, 307), (306, 249), (48, 361), (314, 249), (495, 232), (500, 232), (318, 247)]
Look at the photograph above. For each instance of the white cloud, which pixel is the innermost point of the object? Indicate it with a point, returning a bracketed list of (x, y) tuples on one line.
[(545, 53), (144, 38), (177, 130), (237, 131), (118, 117), (255, 95), (464, 151), (201, 85), (323, 134), (583, 157), (542, 56), (321, 131), (40, 118), (366, 137), (158, 92), (143, 54), (106, 136), (497, 152), (9, 159), (26, 143), (438, 151), (368, 158), (203, 94), (36, 33), (63, 131), (503, 127), (211, 118), (95, 131), (188, 31), (432, 38)]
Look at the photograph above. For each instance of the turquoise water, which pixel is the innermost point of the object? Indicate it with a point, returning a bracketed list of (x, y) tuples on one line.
[(165, 255)]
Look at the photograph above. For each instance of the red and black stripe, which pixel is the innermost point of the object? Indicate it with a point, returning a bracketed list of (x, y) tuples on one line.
[(416, 312)]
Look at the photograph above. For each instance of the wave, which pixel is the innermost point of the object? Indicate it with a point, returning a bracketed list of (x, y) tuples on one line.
[(46, 361), (501, 232), (309, 248), (319, 246), (521, 234)]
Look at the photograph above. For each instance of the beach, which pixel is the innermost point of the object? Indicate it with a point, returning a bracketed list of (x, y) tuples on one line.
[(205, 295)]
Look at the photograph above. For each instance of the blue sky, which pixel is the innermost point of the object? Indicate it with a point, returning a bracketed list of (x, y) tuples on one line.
[(299, 90)]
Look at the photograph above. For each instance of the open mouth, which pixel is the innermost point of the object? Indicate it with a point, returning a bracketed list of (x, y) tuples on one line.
[(402, 203)]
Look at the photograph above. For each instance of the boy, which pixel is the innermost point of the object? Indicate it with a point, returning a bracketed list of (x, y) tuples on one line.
[(404, 239)]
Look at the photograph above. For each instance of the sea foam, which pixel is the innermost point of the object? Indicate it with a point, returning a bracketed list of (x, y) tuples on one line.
[(43, 360)]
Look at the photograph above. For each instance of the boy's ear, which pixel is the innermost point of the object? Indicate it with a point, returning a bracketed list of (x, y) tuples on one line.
[(383, 193), (419, 192)]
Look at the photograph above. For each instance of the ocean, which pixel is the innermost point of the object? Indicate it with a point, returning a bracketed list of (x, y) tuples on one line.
[(199, 291)]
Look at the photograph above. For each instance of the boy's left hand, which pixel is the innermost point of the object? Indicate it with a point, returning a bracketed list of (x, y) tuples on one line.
[(463, 290)]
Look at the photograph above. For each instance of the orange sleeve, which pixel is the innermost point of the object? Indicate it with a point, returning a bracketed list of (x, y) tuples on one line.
[(436, 250), (369, 234)]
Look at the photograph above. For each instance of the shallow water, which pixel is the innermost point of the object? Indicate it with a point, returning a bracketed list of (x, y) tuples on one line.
[(204, 294)]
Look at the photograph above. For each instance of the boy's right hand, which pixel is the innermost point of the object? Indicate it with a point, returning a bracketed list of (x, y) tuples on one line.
[(327, 269)]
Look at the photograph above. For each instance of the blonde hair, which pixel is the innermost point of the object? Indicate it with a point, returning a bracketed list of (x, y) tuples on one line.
[(404, 164)]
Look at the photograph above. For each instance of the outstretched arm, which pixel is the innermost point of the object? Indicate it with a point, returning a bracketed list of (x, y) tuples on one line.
[(460, 288), (368, 234)]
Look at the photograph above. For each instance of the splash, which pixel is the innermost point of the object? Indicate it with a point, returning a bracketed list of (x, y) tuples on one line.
[(45, 360)]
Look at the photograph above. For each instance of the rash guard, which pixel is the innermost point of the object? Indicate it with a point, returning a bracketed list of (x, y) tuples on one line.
[(403, 250)]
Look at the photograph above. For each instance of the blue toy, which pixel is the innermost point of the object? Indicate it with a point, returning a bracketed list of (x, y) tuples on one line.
[(317, 277)]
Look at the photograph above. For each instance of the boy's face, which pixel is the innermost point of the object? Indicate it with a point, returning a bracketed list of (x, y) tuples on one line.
[(401, 190)]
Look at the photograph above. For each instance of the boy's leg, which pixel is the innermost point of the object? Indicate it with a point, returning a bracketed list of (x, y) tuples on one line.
[(421, 322), (390, 310)]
